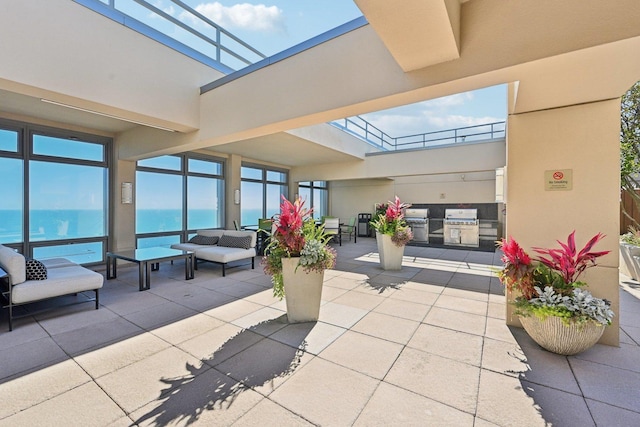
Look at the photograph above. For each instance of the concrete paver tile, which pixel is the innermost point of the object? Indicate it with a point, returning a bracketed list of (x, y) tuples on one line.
[(325, 393), (70, 409), (369, 355), (444, 380), (455, 345), (394, 406)]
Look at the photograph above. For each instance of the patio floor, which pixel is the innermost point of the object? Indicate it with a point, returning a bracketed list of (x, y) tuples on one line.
[(425, 346)]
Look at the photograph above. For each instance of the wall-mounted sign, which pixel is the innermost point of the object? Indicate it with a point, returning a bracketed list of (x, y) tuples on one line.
[(558, 180)]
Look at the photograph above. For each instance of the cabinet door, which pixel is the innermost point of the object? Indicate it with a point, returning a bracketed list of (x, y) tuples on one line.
[(469, 237)]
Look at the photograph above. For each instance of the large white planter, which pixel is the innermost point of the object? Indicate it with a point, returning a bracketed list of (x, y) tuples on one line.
[(629, 261), (390, 254), (302, 292), (554, 335)]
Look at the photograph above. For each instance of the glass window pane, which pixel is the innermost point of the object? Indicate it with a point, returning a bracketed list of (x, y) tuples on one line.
[(304, 184), (251, 173), (12, 206), (251, 203), (173, 163), (205, 166), (66, 201), (274, 193), (276, 176), (320, 202), (305, 195), (165, 241), (8, 140), (59, 147), (158, 202), (203, 203), (81, 253)]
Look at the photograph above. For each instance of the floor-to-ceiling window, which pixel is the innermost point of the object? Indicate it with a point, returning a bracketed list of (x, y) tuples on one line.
[(261, 190), (177, 195), (55, 197), (316, 196)]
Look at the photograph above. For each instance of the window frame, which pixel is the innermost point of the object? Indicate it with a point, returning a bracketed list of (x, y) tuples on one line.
[(265, 183), (26, 132), (184, 233)]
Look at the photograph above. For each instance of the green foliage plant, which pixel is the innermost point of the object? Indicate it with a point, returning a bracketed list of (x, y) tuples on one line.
[(549, 285), (632, 237), (296, 235), (390, 220), (630, 147)]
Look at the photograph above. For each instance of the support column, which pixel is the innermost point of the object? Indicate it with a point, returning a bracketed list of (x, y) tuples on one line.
[(582, 140), (124, 215), (232, 181)]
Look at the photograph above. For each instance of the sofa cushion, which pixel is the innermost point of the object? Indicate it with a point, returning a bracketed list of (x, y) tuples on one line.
[(223, 254), (228, 241), (189, 246), (210, 232), (35, 269), (14, 264), (61, 281), (204, 240), (57, 262)]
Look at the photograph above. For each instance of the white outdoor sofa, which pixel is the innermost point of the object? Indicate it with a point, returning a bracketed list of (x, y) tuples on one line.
[(221, 247), (64, 277)]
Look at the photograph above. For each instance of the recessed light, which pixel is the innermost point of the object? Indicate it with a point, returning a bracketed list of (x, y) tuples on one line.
[(48, 101)]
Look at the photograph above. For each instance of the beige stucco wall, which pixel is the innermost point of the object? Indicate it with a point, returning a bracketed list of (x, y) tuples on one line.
[(456, 159), (68, 53), (348, 198), (123, 235), (583, 138)]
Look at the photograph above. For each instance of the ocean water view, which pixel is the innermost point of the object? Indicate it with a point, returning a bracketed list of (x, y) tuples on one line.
[(52, 224), (61, 224)]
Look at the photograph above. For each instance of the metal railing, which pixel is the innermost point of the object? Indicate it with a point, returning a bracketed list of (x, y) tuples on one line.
[(364, 130), (181, 27)]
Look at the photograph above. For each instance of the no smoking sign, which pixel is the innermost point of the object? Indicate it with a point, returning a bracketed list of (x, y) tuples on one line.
[(558, 180)]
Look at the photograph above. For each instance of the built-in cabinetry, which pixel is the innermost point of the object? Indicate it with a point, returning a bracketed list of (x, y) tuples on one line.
[(489, 215)]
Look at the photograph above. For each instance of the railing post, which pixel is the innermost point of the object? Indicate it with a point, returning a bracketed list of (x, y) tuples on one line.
[(218, 44)]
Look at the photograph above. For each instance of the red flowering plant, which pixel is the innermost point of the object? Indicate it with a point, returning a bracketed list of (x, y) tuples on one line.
[(549, 284), (390, 220), (517, 272), (295, 234)]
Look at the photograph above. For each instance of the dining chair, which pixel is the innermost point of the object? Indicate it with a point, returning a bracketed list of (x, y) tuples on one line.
[(264, 232), (349, 227), (332, 227)]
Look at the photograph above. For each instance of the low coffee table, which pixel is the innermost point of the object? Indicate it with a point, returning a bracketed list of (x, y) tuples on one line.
[(148, 259)]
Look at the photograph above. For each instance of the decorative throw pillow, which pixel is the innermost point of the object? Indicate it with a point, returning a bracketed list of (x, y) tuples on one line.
[(35, 269), (204, 240), (235, 241)]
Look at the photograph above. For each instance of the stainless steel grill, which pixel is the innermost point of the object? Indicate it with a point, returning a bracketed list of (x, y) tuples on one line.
[(418, 220), (461, 227)]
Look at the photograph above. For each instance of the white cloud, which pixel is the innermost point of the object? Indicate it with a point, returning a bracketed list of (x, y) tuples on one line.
[(449, 101), (456, 121), (397, 124), (244, 16)]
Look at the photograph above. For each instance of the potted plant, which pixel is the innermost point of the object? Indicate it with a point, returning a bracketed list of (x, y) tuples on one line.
[(630, 253), (552, 305), (295, 257), (392, 233)]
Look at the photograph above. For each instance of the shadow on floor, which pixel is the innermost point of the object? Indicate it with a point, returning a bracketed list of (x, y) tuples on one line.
[(232, 369)]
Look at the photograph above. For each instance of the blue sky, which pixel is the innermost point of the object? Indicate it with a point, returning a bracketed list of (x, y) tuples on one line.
[(273, 26)]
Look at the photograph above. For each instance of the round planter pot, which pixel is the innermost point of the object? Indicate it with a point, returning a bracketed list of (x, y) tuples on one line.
[(390, 254), (554, 335), (302, 291)]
